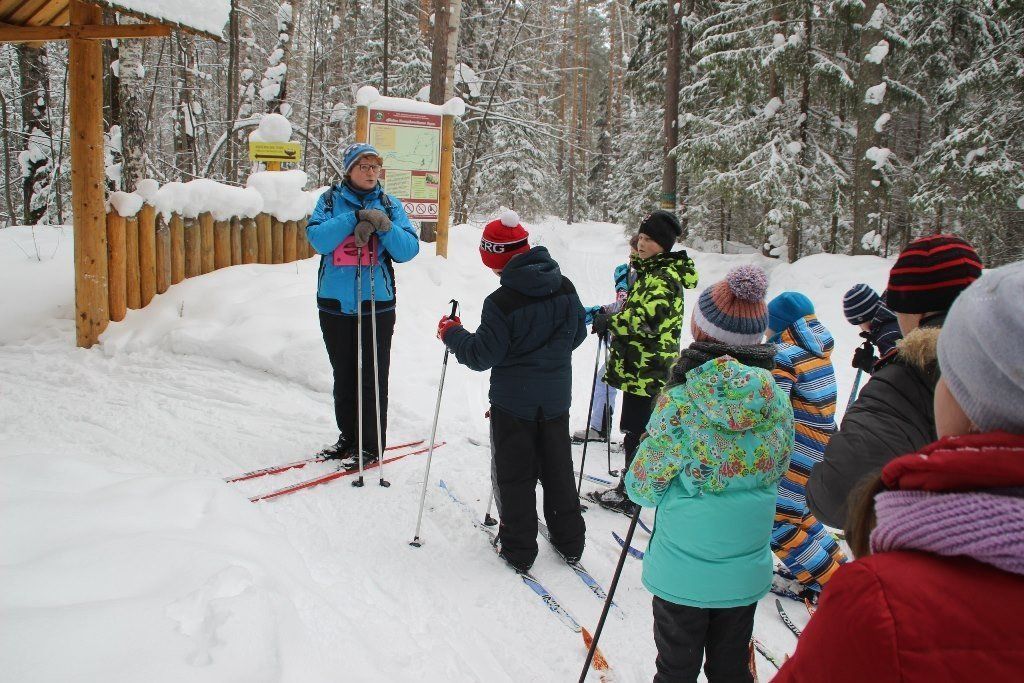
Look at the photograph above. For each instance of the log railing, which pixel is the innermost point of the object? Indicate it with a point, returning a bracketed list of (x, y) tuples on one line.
[(148, 253)]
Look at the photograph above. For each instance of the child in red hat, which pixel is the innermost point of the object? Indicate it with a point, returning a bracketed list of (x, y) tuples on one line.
[(528, 329)]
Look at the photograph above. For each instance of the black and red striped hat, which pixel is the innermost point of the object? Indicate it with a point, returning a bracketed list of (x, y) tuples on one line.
[(930, 273)]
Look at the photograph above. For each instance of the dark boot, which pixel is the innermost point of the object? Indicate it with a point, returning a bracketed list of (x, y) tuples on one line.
[(342, 448), (351, 462)]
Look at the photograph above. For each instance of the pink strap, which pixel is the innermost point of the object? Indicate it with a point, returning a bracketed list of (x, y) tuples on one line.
[(345, 254)]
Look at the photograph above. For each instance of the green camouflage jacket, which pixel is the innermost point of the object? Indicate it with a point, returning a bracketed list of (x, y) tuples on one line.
[(645, 333)]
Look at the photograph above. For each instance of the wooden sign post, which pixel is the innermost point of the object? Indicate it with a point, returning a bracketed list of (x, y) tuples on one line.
[(416, 141)]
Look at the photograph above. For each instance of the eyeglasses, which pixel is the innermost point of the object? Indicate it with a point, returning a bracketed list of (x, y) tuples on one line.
[(369, 168)]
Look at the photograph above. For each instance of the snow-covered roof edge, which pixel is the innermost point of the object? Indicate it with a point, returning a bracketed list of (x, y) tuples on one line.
[(368, 96), (207, 17)]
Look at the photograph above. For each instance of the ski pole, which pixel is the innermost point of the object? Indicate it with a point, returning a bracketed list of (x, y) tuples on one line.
[(611, 593), (359, 359), (376, 367), (488, 520), (856, 385), (586, 432), (416, 542), (608, 417)]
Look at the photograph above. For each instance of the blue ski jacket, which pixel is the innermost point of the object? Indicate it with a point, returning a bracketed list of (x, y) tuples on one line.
[(333, 220)]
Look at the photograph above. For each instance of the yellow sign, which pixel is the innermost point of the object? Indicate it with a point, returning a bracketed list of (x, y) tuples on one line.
[(275, 151)]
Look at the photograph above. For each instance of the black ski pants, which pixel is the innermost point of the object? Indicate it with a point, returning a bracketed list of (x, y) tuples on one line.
[(684, 635), (340, 337), (636, 412), (525, 452)]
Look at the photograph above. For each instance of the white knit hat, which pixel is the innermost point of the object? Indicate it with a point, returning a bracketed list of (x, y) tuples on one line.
[(980, 350)]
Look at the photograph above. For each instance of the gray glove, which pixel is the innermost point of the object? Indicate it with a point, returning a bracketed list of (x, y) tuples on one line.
[(362, 233), (380, 221)]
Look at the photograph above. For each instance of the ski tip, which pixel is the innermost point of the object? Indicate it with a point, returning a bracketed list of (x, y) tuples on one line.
[(599, 662)]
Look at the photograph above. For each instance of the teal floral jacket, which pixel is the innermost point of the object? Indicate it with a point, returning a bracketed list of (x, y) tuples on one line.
[(716, 448)]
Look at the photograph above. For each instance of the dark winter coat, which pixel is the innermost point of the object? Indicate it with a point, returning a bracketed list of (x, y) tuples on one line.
[(917, 615), (892, 416), (884, 335), (528, 329), (645, 333)]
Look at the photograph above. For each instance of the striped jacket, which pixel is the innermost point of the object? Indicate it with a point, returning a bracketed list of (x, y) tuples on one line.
[(803, 370)]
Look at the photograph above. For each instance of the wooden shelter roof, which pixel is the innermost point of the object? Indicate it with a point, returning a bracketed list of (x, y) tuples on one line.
[(41, 13)]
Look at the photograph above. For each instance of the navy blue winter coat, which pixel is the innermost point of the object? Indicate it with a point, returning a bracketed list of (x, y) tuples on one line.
[(528, 329)]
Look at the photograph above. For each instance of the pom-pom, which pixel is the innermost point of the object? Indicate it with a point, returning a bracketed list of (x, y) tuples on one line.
[(510, 219), (749, 283)]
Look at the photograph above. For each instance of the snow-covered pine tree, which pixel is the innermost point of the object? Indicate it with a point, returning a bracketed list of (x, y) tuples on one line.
[(636, 150), (971, 176)]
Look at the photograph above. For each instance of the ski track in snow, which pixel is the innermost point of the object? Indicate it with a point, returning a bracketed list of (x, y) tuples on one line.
[(199, 386)]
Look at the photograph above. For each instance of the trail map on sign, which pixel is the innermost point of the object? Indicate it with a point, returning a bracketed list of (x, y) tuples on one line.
[(408, 149), (410, 144)]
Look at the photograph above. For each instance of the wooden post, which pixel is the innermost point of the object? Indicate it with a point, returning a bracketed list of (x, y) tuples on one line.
[(263, 239), (221, 244), (147, 254), (85, 78), (116, 266), (206, 242), (362, 130), (236, 240), (133, 294), (303, 249), (277, 241), (193, 248), (273, 165), (177, 227), (444, 199), (163, 255), (290, 246), (250, 245)]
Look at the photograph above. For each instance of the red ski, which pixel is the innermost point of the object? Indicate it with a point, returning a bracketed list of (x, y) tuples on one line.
[(277, 469), (336, 475)]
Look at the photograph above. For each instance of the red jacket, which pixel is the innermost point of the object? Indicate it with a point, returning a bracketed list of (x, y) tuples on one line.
[(909, 616)]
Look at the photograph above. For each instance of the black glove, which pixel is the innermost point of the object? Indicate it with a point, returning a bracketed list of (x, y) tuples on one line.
[(600, 324), (377, 218), (864, 357), (362, 233)]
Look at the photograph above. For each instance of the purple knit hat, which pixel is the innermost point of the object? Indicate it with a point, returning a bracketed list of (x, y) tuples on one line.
[(733, 311)]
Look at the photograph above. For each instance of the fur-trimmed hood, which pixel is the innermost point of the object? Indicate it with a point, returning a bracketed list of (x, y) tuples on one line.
[(919, 349)]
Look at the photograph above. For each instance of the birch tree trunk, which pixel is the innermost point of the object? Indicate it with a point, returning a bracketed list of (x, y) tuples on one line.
[(36, 166), (131, 98), (867, 180)]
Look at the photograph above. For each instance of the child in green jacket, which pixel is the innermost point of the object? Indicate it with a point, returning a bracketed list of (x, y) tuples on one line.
[(645, 335), (716, 446)]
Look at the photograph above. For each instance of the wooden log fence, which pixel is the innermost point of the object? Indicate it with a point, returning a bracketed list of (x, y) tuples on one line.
[(148, 253)]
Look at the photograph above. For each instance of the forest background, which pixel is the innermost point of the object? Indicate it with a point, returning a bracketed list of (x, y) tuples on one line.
[(794, 126)]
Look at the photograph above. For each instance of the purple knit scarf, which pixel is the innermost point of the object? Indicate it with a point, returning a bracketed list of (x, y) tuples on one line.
[(983, 526)]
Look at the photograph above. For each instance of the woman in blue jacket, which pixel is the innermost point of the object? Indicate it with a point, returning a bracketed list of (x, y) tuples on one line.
[(354, 217)]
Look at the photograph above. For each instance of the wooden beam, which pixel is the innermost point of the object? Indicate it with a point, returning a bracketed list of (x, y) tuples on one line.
[(85, 79), (24, 10), (36, 34), (47, 13)]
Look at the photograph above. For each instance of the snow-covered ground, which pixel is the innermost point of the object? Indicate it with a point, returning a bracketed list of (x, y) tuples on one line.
[(127, 558)]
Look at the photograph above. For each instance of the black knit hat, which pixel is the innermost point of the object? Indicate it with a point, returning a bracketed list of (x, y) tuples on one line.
[(930, 273), (662, 227)]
